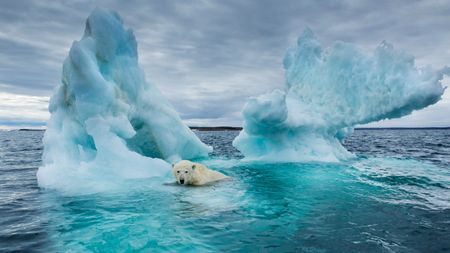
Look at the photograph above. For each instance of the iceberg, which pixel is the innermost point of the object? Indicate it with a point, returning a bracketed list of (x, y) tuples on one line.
[(329, 91), (106, 120)]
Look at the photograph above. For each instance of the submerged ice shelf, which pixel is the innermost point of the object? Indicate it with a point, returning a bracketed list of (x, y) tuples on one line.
[(328, 92), (106, 120)]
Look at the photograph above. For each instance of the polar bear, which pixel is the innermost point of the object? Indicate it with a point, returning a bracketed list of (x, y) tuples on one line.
[(190, 173)]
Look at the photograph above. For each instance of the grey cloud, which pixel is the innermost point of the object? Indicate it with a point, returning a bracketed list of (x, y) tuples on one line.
[(207, 57)]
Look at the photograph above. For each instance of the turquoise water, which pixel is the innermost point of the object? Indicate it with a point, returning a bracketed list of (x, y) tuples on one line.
[(395, 197)]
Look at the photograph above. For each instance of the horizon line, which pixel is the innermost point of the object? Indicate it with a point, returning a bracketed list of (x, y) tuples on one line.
[(234, 128)]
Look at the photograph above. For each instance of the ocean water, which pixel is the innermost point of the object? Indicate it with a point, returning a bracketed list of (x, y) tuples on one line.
[(395, 197)]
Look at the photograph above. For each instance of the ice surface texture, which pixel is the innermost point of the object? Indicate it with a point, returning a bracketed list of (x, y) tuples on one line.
[(106, 120), (328, 92)]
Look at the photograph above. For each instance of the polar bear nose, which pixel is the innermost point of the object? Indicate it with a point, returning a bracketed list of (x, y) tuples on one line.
[(181, 181)]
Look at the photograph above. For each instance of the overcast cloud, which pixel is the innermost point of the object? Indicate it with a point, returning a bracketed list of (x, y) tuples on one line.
[(207, 57)]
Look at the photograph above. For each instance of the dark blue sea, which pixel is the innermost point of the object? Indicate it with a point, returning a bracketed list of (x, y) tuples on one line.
[(394, 197)]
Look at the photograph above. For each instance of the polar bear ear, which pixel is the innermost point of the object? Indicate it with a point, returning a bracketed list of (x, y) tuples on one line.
[(173, 165), (193, 166)]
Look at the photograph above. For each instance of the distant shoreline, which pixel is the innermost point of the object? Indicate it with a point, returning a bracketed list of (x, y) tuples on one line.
[(218, 128), (402, 128), (232, 128)]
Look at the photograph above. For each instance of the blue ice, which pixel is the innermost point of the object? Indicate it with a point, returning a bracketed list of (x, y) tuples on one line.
[(328, 91), (107, 122)]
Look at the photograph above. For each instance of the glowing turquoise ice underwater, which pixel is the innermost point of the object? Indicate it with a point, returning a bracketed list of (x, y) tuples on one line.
[(395, 197)]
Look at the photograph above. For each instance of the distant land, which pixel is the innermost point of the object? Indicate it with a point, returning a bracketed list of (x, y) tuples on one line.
[(217, 128), (402, 128), (232, 128)]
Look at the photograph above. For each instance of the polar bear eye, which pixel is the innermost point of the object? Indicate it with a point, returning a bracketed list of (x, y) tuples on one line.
[(185, 172), (178, 171)]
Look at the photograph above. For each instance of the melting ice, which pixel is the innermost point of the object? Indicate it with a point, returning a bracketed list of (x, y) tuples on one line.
[(328, 92), (106, 121)]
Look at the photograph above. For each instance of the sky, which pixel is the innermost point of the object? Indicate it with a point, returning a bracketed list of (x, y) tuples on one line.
[(208, 57)]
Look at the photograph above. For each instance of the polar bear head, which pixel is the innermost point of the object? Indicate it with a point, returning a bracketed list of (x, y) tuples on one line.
[(184, 172)]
